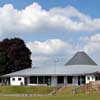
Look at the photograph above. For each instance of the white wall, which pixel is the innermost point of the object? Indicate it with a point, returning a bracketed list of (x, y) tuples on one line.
[(16, 81), (89, 78)]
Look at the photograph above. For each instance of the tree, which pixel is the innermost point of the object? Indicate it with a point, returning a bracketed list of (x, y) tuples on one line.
[(3, 59), (14, 55)]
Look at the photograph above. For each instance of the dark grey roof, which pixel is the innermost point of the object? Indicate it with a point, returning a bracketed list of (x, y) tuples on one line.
[(80, 58)]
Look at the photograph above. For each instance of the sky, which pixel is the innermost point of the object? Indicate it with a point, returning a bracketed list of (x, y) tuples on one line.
[(54, 30)]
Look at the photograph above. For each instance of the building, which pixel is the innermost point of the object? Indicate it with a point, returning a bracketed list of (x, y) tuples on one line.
[(79, 70)]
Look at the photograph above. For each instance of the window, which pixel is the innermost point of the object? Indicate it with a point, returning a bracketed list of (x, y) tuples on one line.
[(13, 79), (60, 79), (97, 77), (33, 79), (70, 79), (40, 79), (82, 79), (88, 78), (48, 80), (19, 79), (92, 77)]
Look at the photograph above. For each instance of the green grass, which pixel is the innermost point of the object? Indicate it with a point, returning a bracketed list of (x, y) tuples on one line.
[(65, 94), (65, 97), (25, 90)]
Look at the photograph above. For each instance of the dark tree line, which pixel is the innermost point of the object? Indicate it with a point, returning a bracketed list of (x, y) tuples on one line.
[(14, 56)]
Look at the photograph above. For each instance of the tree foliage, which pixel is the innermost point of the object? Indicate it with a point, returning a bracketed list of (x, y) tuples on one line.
[(14, 55)]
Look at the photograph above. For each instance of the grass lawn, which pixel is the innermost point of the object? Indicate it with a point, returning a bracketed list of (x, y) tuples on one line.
[(58, 97), (66, 94), (25, 90)]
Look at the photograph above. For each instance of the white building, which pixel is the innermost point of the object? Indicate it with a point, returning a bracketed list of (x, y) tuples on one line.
[(79, 70)]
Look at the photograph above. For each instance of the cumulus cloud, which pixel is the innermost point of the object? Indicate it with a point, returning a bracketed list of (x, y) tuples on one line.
[(92, 46), (47, 51), (92, 43), (48, 47), (39, 59), (35, 19)]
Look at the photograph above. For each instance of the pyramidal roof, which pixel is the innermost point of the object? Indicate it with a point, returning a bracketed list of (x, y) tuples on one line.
[(80, 58)]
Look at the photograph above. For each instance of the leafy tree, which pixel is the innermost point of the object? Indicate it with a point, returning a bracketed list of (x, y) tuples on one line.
[(14, 55)]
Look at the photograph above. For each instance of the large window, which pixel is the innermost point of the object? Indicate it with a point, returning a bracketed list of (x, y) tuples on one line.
[(48, 80), (40, 79), (97, 77), (69, 79), (44, 80), (33, 79), (60, 79)]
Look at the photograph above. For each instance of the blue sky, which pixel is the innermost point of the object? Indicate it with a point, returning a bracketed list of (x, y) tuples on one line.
[(53, 28), (86, 6)]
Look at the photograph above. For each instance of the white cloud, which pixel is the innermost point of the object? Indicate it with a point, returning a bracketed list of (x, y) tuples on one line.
[(47, 51), (92, 43), (92, 46), (35, 19), (48, 47), (40, 59)]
